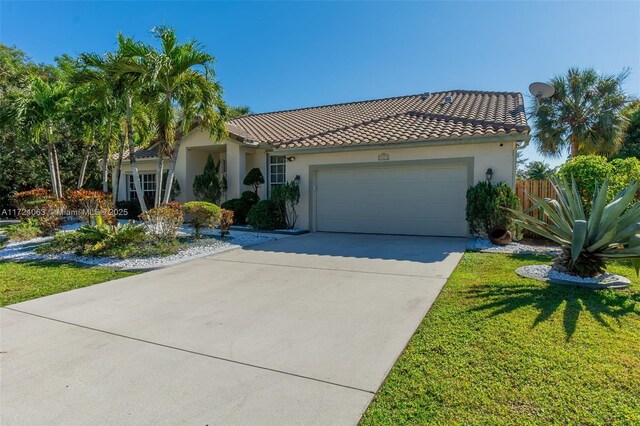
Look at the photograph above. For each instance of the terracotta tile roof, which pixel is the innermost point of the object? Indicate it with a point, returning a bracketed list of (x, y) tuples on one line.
[(150, 152), (434, 116)]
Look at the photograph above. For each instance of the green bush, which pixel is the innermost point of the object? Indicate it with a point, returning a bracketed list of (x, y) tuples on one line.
[(486, 205), (202, 215), (286, 198), (265, 215), (24, 231), (241, 206), (103, 240), (590, 171)]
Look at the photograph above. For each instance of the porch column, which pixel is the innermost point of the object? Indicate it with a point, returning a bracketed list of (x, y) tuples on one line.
[(235, 167)]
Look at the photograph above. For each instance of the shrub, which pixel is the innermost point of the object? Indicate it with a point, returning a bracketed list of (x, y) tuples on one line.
[(202, 215), (250, 198), (164, 222), (87, 204), (50, 219), (240, 209), (128, 209), (254, 179), (286, 198), (208, 186), (265, 215), (241, 206), (625, 171), (102, 240), (610, 231), (24, 231), (31, 200), (588, 171), (226, 220), (486, 205)]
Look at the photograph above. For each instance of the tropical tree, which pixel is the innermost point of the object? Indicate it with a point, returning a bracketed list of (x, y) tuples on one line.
[(631, 142), (180, 80), (39, 109), (582, 116), (538, 170)]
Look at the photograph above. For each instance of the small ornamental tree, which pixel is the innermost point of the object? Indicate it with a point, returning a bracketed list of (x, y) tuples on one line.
[(254, 179), (202, 215), (209, 186)]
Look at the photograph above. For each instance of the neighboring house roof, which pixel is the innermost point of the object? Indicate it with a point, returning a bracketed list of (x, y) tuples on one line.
[(424, 117)]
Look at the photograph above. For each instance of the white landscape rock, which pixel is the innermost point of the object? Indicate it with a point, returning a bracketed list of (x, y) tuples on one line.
[(485, 246), (24, 251), (547, 273)]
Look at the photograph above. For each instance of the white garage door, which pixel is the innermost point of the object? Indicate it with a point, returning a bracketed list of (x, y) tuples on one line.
[(409, 200)]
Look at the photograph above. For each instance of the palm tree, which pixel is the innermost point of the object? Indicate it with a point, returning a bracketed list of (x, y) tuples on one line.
[(180, 79), (583, 115), (39, 109), (124, 70), (538, 170)]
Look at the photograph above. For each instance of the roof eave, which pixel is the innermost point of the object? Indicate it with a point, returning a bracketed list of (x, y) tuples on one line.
[(512, 137)]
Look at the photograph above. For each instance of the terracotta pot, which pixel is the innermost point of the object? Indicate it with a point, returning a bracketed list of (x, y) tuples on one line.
[(500, 236)]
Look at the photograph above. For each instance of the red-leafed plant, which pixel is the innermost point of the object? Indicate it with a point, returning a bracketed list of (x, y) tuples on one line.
[(87, 204), (226, 220)]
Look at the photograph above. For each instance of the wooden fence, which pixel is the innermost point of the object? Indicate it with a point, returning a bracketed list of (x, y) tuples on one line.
[(541, 188)]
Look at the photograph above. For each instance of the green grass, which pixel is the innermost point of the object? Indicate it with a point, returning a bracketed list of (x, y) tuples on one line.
[(499, 349), (30, 280)]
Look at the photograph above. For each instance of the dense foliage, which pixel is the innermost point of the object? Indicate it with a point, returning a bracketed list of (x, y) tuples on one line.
[(592, 170), (241, 206), (87, 204), (103, 240), (209, 186), (486, 207), (202, 215), (24, 231), (266, 215), (286, 198), (588, 238), (631, 142)]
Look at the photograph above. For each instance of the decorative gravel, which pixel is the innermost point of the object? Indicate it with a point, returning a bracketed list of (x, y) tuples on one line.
[(485, 246), (24, 251), (547, 273)]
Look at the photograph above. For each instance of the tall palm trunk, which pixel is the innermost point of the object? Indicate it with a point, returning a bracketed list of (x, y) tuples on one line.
[(575, 147), (83, 167), (118, 171), (172, 170), (105, 165), (132, 157), (159, 171), (57, 170), (52, 169)]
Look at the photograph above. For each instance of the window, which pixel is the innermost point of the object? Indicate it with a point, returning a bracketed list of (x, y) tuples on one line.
[(148, 183), (277, 170)]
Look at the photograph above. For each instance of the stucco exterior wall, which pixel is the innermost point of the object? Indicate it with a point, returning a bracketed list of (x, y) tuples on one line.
[(498, 156)]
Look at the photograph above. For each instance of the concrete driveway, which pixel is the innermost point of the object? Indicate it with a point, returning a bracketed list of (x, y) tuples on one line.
[(302, 330)]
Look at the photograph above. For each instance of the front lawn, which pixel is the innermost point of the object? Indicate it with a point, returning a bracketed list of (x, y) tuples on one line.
[(499, 349), (25, 281)]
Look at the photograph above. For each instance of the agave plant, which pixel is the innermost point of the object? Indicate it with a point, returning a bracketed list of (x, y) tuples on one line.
[(610, 231)]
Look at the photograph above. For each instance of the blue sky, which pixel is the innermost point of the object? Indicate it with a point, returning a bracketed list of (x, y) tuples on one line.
[(281, 55)]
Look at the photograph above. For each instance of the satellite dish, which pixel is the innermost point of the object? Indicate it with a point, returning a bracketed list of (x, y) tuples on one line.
[(541, 90)]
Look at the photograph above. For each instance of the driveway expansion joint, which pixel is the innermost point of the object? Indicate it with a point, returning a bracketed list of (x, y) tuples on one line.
[(273, 370), (437, 277)]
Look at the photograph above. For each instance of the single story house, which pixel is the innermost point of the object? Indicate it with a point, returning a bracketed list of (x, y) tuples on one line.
[(398, 165)]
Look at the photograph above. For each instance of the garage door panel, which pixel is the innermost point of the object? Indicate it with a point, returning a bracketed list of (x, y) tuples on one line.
[(421, 200)]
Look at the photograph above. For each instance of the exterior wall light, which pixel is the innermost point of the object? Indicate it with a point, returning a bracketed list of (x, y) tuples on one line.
[(489, 174), (297, 179), (291, 159)]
